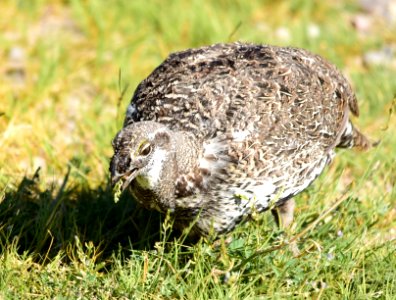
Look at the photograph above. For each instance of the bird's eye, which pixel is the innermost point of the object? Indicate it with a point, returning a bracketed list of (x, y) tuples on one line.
[(145, 150)]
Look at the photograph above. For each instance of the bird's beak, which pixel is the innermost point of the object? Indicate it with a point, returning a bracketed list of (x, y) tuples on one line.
[(124, 180)]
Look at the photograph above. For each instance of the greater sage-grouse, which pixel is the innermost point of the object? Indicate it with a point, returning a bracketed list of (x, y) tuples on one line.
[(217, 133)]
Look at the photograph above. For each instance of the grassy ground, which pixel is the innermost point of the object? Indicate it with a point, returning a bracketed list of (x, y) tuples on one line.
[(68, 69)]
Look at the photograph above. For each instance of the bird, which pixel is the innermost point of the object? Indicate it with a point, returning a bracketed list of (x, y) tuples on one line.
[(219, 133)]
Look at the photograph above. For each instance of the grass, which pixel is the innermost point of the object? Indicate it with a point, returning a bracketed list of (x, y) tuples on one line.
[(68, 70)]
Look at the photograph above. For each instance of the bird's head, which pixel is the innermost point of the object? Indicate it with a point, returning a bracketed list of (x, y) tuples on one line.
[(140, 152)]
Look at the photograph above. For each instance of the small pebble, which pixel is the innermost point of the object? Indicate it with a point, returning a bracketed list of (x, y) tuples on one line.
[(362, 23), (330, 256), (16, 55), (313, 31), (382, 57), (283, 34), (385, 9)]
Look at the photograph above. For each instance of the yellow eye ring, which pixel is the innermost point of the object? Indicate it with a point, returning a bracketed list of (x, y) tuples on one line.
[(145, 149)]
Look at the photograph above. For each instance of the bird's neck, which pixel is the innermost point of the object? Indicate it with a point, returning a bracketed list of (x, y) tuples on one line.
[(187, 150), (182, 158)]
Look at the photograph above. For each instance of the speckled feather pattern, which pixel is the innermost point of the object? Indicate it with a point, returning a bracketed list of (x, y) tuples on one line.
[(252, 126)]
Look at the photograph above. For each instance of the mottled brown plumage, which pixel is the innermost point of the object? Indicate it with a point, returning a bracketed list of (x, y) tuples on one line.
[(219, 132)]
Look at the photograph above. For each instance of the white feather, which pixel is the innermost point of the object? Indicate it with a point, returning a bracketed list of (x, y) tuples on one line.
[(255, 195), (263, 190), (154, 170), (240, 136), (159, 156), (348, 129), (213, 149)]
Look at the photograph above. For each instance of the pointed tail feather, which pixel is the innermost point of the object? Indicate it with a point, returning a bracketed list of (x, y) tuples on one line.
[(352, 137)]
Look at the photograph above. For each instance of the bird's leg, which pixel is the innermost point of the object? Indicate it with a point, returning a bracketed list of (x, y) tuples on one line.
[(284, 214)]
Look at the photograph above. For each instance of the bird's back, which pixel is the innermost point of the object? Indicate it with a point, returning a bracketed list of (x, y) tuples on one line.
[(281, 92)]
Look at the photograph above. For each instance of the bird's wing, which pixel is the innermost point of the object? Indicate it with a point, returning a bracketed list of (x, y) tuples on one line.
[(279, 92)]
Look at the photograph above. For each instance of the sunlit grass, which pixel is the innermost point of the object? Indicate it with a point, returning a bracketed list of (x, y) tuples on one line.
[(68, 70)]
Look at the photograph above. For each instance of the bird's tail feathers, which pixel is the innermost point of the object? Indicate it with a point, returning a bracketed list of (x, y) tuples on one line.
[(352, 137)]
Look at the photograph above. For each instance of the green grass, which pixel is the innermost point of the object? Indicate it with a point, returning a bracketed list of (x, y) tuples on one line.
[(61, 234)]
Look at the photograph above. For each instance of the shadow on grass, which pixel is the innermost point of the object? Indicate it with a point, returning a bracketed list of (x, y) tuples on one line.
[(43, 223)]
